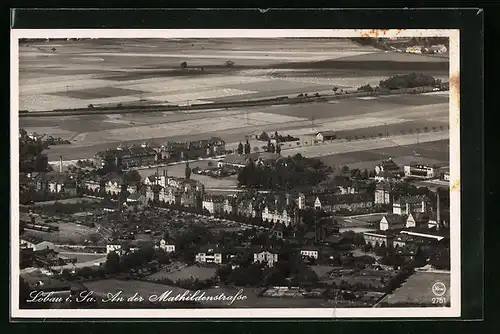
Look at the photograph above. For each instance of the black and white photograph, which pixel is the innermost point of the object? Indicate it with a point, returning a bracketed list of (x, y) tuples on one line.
[(234, 174)]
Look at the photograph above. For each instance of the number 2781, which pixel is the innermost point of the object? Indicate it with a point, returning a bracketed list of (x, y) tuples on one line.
[(439, 300)]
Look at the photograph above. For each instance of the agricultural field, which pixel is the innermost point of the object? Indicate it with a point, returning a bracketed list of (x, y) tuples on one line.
[(78, 73), (201, 273), (418, 290)]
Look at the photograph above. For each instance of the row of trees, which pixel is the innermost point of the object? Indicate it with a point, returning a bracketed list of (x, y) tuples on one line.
[(411, 80), (290, 173)]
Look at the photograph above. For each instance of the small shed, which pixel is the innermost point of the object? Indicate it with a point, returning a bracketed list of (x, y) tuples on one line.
[(325, 136)]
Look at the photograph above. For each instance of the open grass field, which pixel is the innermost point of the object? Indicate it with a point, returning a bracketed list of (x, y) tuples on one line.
[(418, 289), (79, 73), (395, 115), (200, 273)]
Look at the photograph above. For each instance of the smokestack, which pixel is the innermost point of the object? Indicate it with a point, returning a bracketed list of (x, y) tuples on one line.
[(438, 214), (60, 164)]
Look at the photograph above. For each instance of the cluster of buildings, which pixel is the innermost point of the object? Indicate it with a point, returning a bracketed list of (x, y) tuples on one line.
[(278, 208), (149, 153), (388, 170), (433, 49)]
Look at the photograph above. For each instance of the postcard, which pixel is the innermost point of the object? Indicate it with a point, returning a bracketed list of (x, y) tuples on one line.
[(235, 173)]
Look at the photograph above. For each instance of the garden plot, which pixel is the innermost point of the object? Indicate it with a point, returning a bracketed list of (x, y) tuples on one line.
[(39, 102), (201, 273)]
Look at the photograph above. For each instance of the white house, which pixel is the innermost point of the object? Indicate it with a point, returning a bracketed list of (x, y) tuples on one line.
[(383, 193), (390, 222), (419, 171), (265, 256), (210, 254), (114, 248), (167, 247), (406, 205), (312, 252), (35, 244), (325, 136)]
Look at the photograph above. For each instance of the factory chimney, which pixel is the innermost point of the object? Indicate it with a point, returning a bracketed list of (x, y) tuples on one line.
[(60, 164), (438, 208)]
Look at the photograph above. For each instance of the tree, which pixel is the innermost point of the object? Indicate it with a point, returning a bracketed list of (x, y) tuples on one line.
[(187, 171), (240, 148), (278, 149), (335, 89), (365, 174), (112, 265), (132, 177), (229, 63), (269, 145), (247, 147), (184, 65), (273, 148), (345, 170), (263, 136)]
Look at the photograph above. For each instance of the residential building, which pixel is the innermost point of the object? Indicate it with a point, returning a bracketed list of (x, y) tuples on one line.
[(210, 254), (310, 251), (241, 160), (417, 220), (440, 48), (168, 247), (126, 157), (325, 136), (419, 171), (332, 202), (56, 183), (405, 205), (266, 256), (92, 183), (35, 243), (391, 222), (213, 204), (282, 210), (117, 248), (383, 193), (387, 177), (113, 184), (344, 185), (378, 238)]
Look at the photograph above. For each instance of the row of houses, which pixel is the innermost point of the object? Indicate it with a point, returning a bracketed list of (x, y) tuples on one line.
[(403, 238), (150, 152), (279, 208)]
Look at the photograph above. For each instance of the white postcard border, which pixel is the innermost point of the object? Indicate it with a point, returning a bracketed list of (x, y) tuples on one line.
[(414, 312)]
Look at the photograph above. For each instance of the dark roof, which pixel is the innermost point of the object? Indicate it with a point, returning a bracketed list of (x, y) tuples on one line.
[(310, 236), (134, 196), (32, 239), (239, 159), (327, 133), (333, 199), (394, 219), (342, 181), (389, 164), (411, 200), (334, 238), (309, 248), (420, 217), (383, 186)]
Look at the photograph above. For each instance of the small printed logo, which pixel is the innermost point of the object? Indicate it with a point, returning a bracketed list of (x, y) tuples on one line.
[(439, 289)]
